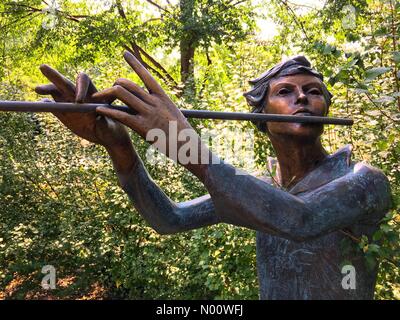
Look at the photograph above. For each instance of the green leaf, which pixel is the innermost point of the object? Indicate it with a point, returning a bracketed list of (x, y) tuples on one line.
[(359, 90), (384, 99), (374, 113), (396, 56), (377, 235), (370, 262), (373, 73), (328, 49), (373, 247)]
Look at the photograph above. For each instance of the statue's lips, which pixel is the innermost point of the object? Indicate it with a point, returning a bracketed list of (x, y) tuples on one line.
[(302, 114)]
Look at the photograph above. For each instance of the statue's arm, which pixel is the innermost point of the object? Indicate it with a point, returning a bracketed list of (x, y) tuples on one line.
[(244, 200), (161, 213)]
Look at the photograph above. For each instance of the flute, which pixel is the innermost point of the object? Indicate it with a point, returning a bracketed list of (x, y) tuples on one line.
[(25, 106)]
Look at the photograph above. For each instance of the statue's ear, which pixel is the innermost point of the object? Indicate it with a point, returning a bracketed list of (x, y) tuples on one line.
[(265, 102)]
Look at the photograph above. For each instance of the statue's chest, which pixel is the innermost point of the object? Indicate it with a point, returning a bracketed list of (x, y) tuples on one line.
[(283, 256), (305, 270)]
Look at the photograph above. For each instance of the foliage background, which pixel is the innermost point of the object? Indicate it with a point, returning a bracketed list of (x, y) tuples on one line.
[(59, 199)]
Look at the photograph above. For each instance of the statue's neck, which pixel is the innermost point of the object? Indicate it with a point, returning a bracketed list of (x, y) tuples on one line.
[(297, 158)]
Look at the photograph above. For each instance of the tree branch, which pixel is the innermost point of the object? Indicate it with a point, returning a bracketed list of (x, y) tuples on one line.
[(158, 65), (31, 9), (203, 84), (137, 51), (375, 104), (150, 20), (379, 108), (238, 2), (158, 6), (300, 5), (394, 44), (294, 16), (120, 9), (166, 77), (21, 20)]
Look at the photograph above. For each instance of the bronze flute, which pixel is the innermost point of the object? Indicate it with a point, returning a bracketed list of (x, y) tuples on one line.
[(24, 106)]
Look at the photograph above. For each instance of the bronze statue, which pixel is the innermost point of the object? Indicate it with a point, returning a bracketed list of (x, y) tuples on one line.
[(300, 217)]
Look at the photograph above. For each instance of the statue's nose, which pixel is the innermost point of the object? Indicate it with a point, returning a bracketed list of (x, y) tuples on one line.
[(301, 98)]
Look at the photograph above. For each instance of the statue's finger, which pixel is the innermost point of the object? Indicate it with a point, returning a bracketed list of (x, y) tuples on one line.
[(136, 90), (151, 84), (129, 120), (64, 85), (50, 89), (82, 87), (47, 89), (120, 93), (92, 88), (100, 99)]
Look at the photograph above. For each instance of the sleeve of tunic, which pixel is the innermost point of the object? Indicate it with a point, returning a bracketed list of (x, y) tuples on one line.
[(247, 201)]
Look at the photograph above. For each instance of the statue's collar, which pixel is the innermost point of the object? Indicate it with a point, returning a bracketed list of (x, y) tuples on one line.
[(331, 168)]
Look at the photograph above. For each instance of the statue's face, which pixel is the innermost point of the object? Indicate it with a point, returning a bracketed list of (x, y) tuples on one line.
[(299, 95)]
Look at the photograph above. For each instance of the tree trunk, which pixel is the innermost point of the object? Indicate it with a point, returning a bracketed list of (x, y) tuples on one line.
[(187, 68), (187, 49)]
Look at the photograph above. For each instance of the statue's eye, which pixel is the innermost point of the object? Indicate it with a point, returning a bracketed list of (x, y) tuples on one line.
[(314, 91), (283, 91)]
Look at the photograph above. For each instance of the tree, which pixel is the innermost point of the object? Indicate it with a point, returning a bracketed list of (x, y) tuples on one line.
[(59, 201), (140, 28)]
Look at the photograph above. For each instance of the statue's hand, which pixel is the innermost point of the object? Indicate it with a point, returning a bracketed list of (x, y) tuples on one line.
[(90, 126), (154, 108)]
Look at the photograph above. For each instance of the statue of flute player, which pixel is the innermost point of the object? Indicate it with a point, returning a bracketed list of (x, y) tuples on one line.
[(299, 222)]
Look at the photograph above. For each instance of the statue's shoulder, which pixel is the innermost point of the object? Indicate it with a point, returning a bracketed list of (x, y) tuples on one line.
[(264, 176), (364, 170), (376, 187), (343, 157)]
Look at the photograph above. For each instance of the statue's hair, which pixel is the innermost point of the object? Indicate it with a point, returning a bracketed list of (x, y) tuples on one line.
[(256, 97)]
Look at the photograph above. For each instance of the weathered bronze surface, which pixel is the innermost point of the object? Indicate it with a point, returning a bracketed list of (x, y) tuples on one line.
[(301, 215)]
